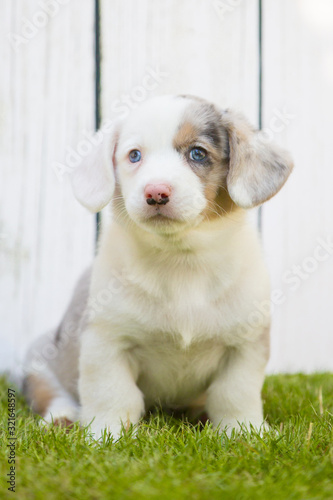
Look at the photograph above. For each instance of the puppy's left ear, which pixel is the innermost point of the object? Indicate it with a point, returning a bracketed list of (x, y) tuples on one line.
[(93, 180), (257, 168)]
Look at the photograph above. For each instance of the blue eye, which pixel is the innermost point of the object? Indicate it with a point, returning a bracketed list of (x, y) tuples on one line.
[(135, 156), (198, 154)]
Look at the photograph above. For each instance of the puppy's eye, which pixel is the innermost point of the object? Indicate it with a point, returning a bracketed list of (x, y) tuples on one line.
[(134, 156), (198, 154)]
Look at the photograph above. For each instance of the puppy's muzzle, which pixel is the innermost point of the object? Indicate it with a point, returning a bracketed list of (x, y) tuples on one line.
[(157, 194)]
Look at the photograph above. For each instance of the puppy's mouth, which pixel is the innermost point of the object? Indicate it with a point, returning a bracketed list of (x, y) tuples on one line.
[(160, 212), (163, 220)]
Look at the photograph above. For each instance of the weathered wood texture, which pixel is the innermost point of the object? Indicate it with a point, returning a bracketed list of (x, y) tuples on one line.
[(199, 47), (298, 223), (47, 101)]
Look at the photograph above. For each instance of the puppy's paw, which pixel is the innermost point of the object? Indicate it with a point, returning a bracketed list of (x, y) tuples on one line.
[(110, 424), (98, 431), (234, 426), (61, 412)]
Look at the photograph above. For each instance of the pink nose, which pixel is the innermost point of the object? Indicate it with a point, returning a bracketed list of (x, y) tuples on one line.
[(157, 193)]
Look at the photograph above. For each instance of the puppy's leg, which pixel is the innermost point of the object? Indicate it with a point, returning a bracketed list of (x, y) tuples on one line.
[(234, 397), (41, 386), (47, 398), (109, 395)]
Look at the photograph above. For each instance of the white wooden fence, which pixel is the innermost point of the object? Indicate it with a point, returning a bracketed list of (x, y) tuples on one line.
[(206, 47)]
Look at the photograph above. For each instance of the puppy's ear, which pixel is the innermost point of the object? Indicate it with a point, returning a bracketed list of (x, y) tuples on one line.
[(257, 168), (93, 180)]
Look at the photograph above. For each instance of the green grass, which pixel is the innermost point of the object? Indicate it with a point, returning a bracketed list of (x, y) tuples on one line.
[(172, 459)]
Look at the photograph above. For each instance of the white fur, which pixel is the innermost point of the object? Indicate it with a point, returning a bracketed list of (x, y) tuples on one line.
[(178, 323), (239, 192)]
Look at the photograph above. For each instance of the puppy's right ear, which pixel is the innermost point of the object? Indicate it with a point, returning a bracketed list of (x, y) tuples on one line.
[(93, 180)]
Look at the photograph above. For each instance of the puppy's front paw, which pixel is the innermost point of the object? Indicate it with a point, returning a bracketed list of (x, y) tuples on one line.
[(99, 429), (98, 432), (233, 425), (62, 412)]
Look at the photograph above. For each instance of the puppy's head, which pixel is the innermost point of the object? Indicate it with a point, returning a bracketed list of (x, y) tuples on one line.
[(178, 160)]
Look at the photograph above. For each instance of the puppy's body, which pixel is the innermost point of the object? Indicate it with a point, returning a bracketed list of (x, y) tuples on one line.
[(172, 309)]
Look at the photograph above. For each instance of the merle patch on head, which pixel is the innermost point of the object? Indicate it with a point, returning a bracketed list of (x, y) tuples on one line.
[(201, 126)]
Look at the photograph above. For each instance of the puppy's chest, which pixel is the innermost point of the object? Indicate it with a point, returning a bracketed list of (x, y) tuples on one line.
[(173, 374), (184, 303)]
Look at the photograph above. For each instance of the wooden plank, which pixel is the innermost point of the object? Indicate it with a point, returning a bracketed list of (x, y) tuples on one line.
[(206, 48), (297, 224), (47, 90)]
